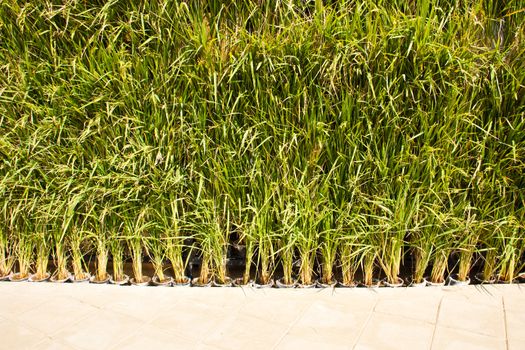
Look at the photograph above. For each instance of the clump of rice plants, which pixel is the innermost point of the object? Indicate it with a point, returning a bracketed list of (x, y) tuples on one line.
[(332, 139)]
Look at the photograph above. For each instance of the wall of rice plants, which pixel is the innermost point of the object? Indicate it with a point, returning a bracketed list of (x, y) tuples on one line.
[(349, 140)]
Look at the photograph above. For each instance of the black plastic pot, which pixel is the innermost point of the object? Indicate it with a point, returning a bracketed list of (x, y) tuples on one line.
[(145, 281), (34, 278), (280, 284)]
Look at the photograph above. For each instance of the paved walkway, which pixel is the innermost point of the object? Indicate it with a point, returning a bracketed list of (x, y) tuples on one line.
[(86, 316)]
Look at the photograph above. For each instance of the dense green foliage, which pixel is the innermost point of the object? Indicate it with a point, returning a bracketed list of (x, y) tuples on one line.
[(347, 135)]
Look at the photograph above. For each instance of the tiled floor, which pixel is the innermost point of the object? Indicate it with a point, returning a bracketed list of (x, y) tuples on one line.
[(87, 316)]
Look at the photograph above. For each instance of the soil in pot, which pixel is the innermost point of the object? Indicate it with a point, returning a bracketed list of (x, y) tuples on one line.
[(35, 278), (165, 283), (280, 284), (453, 280), (18, 277), (145, 281), (122, 282)]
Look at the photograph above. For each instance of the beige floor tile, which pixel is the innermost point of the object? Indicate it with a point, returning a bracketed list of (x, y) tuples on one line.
[(99, 331), (274, 310), (295, 342), (11, 305), (149, 337), (148, 309), (195, 320), (392, 332), (51, 344), (331, 322), (515, 325), (53, 315), (516, 344), (247, 332), (423, 307), (515, 299), (17, 336), (477, 318), (357, 299), (453, 339)]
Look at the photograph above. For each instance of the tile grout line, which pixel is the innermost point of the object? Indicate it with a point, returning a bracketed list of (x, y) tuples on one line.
[(505, 322), (301, 314), (366, 324), (436, 323)]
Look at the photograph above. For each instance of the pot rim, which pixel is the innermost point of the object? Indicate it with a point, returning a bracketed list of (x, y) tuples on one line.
[(155, 281), (12, 277), (119, 283), (86, 278), (228, 283), (418, 284), (187, 282), (53, 278), (319, 284), (145, 281), (270, 284), (454, 281), (31, 279), (280, 284), (400, 283), (479, 277), (433, 284), (93, 279), (238, 282), (340, 284), (376, 283), (195, 282)]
